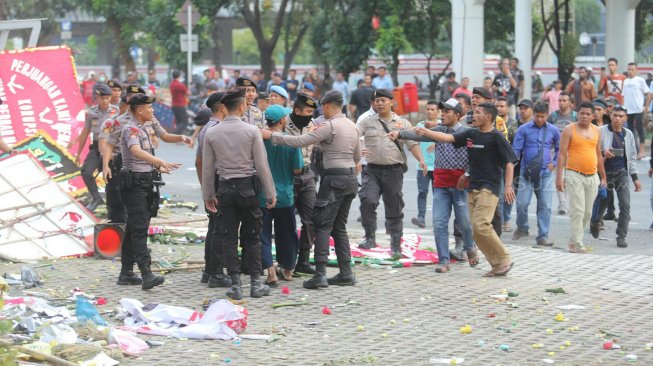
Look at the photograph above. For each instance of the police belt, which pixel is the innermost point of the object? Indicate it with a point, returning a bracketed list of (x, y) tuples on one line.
[(384, 167), (251, 178), (339, 171), (141, 175)]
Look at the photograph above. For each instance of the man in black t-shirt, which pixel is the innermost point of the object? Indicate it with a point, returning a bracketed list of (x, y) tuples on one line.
[(360, 98), (489, 152)]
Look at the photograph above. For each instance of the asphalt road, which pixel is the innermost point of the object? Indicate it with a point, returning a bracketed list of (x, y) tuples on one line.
[(183, 184)]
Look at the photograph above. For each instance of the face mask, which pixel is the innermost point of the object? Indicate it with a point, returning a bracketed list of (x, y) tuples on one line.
[(300, 121), (102, 79)]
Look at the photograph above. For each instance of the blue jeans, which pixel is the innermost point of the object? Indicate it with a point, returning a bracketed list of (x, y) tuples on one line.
[(424, 182), (544, 193), (443, 200), (286, 240)]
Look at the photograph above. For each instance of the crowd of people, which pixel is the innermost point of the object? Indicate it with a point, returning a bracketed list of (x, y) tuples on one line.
[(262, 147)]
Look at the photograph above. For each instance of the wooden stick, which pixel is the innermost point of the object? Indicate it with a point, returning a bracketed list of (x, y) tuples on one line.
[(37, 355), (173, 269), (177, 222)]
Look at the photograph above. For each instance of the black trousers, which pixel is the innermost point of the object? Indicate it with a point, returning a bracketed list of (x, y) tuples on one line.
[(181, 119), (213, 256), (619, 183), (386, 182), (115, 208), (330, 215), (92, 163), (238, 206), (635, 123), (137, 202), (304, 190)]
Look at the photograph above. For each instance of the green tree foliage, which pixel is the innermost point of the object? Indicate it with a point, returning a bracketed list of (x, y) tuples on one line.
[(209, 9), (164, 30), (499, 27), (342, 34), (587, 15), (392, 40)]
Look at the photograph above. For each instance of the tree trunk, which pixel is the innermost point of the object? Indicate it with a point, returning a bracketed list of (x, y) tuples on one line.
[(428, 71), (267, 63), (121, 45), (395, 67), (215, 52)]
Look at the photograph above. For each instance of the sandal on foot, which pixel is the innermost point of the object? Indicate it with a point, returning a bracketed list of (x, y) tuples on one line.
[(281, 276), (472, 257), (500, 272), (443, 268), (272, 284)]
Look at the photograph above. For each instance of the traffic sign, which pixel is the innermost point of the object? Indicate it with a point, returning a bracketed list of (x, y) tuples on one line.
[(182, 15), (183, 40), (66, 26)]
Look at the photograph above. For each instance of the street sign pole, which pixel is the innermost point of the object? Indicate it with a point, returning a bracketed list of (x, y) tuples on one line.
[(189, 75)]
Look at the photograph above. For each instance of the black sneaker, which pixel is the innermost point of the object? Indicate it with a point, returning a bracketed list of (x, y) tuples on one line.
[(595, 228), (368, 243), (621, 242), (342, 280), (219, 280), (130, 278), (419, 223)]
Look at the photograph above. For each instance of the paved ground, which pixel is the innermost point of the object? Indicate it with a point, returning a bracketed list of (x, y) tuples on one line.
[(412, 316)]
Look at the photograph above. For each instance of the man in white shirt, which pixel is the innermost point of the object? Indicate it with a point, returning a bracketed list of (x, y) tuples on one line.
[(636, 100), (342, 86)]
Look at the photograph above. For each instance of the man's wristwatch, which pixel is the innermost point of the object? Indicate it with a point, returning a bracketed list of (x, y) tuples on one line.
[(466, 174)]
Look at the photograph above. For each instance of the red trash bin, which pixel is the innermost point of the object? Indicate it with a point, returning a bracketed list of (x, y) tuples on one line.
[(411, 100), (398, 101)]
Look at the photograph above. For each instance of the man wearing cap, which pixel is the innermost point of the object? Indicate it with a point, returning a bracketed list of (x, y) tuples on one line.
[(620, 161), (301, 123), (386, 163), (488, 152), (450, 163), (234, 155), (95, 117), (278, 95), (116, 92), (338, 138), (285, 164), (140, 169), (109, 145), (213, 273), (263, 101), (253, 114), (537, 143)]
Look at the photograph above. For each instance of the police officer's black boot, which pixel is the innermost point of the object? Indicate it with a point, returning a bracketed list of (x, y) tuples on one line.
[(345, 277), (370, 240), (235, 292), (257, 288), (395, 246), (219, 280), (128, 277), (319, 279), (150, 280), (303, 265)]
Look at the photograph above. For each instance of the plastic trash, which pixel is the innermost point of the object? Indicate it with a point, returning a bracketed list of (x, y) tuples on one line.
[(29, 277), (326, 310), (466, 329), (60, 333), (128, 342), (560, 317), (101, 360), (570, 307), (447, 360), (548, 361), (504, 348), (631, 358), (86, 311)]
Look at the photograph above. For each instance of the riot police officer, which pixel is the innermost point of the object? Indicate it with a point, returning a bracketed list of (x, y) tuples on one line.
[(95, 116), (301, 122), (116, 92), (234, 151), (338, 138), (252, 114), (109, 144), (138, 176)]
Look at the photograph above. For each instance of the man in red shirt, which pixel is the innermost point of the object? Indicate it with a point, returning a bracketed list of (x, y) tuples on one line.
[(612, 85), (179, 93)]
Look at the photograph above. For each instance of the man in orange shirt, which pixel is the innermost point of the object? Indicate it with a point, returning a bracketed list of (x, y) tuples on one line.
[(582, 89), (580, 155)]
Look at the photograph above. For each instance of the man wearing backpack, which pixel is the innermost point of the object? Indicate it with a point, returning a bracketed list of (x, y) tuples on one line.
[(562, 118)]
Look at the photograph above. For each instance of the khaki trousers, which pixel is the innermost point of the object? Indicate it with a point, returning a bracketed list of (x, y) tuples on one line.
[(482, 205), (582, 191)]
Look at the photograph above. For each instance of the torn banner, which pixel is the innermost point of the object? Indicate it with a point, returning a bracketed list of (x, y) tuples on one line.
[(38, 219), (222, 320)]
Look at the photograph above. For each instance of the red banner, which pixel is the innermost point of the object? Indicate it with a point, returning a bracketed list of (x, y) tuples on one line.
[(39, 90)]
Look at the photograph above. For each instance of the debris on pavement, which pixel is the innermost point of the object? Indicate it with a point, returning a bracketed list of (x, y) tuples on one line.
[(557, 290), (285, 304)]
